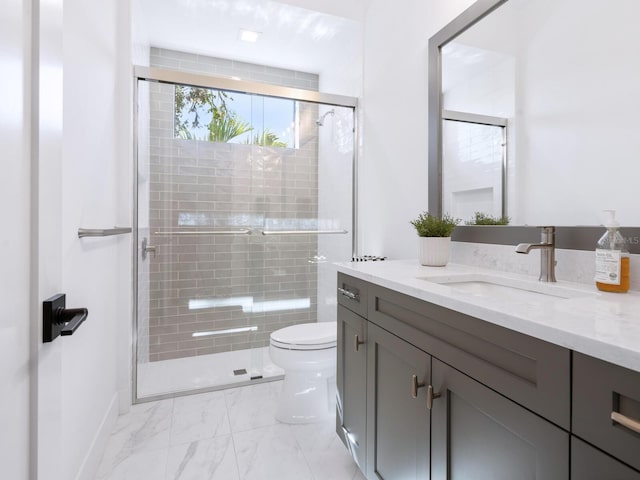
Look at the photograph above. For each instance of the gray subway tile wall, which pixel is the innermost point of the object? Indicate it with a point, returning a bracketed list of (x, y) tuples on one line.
[(194, 63), (202, 185)]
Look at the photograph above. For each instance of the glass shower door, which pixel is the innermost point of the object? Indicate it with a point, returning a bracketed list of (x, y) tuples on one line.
[(473, 168), (235, 234)]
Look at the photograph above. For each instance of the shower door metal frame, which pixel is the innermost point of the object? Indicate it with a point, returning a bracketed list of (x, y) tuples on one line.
[(175, 77)]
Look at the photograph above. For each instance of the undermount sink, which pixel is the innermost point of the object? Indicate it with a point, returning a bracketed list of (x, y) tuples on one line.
[(506, 288)]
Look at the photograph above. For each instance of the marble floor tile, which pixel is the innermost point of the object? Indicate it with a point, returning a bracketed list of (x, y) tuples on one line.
[(270, 453), (145, 428), (252, 406), (135, 466), (212, 459), (359, 476), (325, 454), (224, 435), (199, 417)]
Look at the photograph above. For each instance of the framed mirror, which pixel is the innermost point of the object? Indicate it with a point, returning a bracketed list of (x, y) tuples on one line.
[(561, 77)]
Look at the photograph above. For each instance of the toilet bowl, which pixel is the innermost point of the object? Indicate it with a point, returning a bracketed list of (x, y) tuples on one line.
[(307, 354)]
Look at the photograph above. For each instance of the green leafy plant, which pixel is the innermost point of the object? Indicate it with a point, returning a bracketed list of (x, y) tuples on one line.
[(226, 127), (480, 218), (192, 103), (195, 100), (266, 139), (428, 225)]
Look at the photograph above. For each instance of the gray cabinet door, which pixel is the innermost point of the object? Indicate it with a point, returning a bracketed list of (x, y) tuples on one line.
[(481, 435), (351, 378), (397, 414), (589, 463)]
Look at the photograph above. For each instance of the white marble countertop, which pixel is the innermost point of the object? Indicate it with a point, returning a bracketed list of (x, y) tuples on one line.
[(603, 325)]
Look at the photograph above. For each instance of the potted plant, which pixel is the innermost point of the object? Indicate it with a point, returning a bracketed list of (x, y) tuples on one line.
[(435, 238)]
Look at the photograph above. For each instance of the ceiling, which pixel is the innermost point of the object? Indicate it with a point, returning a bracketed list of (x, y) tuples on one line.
[(291, 37)]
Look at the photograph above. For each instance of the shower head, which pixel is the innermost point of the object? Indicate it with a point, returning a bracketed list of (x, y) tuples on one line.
[(320, 121)]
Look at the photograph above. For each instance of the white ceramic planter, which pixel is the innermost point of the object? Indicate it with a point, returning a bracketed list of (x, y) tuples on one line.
[(434, 251)]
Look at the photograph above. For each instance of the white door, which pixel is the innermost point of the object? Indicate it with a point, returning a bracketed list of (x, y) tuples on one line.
[(84, 183), (64, 167)]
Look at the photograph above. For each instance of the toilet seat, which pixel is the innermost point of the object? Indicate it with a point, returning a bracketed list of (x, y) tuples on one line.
[(305, 336)]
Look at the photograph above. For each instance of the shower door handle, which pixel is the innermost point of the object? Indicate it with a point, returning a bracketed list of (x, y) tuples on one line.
[(146, 248)]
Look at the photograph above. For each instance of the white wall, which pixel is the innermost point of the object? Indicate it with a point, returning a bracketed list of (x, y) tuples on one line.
[(352, 9), (15, 212), (393, 167), (578, 102)]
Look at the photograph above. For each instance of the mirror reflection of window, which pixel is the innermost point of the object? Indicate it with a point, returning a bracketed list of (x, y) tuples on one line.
[(472, 168)]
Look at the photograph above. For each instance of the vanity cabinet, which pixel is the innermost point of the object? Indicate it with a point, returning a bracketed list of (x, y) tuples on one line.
[(447, 396)]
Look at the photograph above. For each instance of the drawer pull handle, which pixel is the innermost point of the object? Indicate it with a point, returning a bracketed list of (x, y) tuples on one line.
[(357, 342), (625, 421), (431, 396), (415, 385), (348, 294)]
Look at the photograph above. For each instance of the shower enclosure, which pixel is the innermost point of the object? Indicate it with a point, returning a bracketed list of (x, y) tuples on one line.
[(474, 165), (244, 198)]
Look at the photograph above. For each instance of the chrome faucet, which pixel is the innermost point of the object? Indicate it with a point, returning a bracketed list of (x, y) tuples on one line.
[(547, 248)]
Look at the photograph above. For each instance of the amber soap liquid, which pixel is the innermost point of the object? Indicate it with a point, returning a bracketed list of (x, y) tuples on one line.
[(624, 279)]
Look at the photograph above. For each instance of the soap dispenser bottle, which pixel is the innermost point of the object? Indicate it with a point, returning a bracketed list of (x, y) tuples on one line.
[(612, 258)]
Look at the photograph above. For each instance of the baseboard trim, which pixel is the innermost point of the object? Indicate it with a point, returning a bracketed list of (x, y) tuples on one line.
[(92, 459)]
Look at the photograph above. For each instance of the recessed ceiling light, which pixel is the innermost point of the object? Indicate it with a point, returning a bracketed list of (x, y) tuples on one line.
[(249, 35)]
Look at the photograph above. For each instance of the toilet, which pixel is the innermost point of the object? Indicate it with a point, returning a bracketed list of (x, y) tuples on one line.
[(307, 354)]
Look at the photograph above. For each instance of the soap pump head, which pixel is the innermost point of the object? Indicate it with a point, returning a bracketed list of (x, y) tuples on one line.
[(610, 219)]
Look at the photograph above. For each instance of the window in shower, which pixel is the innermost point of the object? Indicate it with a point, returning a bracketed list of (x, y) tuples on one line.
[(235, 239), (213, 115)]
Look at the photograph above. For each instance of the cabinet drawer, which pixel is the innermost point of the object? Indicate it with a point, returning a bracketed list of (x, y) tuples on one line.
[(352, 294), (601, 389), (531, 372), (588, 463)]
